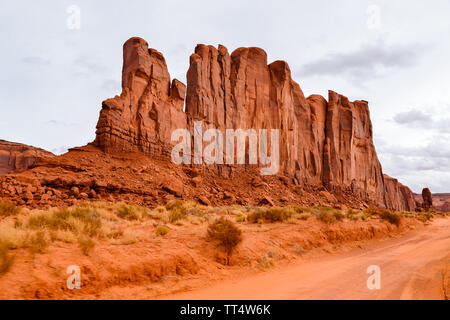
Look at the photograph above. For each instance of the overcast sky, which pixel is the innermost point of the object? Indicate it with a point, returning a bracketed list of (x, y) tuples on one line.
[(394, 54)]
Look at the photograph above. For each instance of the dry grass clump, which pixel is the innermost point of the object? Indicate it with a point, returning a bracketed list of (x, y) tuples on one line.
[(385, 214), (391, 217), (38, 242), (82, 223), (162, 230), (226, 233), (275, 214), (6, 260), (178, 209), (86, 244), (328, 215), (131, 212), (9, 209), (79, 220)]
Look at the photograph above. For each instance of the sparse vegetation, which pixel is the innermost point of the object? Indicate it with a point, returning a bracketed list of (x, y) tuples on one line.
[(8, 209), (86, 244), (38, 243), (6, 260), (391, 217), (79, 220), (274, 214), (162, 230), (328, 215), (228, 235), (178, 210), (131, 212)]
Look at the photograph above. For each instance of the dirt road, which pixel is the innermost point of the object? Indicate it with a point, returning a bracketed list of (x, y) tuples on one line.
[(416, 266)]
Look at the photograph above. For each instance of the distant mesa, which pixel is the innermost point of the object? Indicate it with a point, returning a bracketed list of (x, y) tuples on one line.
[(17, 156)]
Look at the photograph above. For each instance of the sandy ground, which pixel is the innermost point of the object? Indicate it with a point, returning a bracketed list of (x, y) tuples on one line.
[(306, 260), (416, 266)]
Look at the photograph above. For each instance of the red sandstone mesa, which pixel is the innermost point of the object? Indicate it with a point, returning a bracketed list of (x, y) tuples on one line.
[(321, 143), (327, 153), (17, 156)]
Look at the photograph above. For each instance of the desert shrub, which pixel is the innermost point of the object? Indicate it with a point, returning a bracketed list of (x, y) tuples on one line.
[(265, 263), (226, 233), (6, 260), (326, 217), (365, 216), (304, 216), (425, 216), (274, 214), (8, 209), (38, 242), (115, 234), (178, 210), (86, 244), (328, 214), (240, 218), (353, 214), (339, 216), (390, 216), (176, 215), (131, 212), (162, 230)]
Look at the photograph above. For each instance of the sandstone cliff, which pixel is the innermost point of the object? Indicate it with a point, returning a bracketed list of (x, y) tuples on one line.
[(321, 143), (17, 156)]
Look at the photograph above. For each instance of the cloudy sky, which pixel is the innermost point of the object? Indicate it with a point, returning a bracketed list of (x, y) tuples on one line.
[(394, 54)]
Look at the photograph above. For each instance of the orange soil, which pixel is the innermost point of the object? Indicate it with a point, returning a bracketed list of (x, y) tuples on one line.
[(135, 178), (184, 260)]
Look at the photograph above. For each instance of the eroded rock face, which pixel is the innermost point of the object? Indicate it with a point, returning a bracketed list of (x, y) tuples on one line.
[(427, 203), (149, 108), (242, 91), (398, 196), (350, 159), (321, 143), (17, 156)]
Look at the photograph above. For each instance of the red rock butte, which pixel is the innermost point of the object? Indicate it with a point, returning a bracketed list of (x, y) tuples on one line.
[(322, 142), (326, 146)]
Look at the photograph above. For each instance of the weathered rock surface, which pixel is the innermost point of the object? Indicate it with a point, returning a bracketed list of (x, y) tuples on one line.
[(427, 203), (149, 108), (350, 159), (398, 196), (321, 143), (17, 156)]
